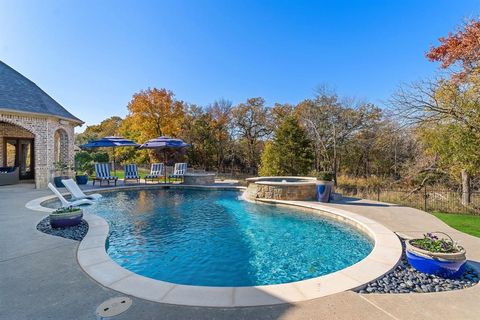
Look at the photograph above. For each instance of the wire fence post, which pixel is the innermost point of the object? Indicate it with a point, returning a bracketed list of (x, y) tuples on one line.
[(425, 195)]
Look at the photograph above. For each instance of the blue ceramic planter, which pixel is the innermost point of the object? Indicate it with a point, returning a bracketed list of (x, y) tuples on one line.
[(447, 265), (58, 181), (83, 179), (324, 190)]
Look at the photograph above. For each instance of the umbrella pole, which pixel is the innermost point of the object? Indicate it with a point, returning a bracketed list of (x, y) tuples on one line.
[(114, 169), (165, 164)]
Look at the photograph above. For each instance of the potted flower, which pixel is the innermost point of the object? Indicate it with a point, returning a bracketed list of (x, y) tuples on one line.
[(61, 173), (66, 217), (434, 255)]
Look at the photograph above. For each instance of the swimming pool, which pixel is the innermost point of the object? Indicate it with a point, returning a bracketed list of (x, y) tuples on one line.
[(211, 238)]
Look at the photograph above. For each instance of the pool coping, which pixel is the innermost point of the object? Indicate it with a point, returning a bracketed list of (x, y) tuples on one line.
[(94, 260)]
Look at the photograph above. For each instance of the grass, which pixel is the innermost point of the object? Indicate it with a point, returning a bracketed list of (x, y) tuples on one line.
[(466, 223)]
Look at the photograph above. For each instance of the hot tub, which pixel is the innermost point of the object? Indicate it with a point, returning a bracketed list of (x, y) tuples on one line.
[(282, 188)]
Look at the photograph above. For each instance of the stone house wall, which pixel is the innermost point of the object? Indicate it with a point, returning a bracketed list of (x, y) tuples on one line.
[(44, 130)]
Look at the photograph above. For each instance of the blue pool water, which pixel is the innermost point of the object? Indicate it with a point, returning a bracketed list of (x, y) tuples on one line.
[(211, 238)]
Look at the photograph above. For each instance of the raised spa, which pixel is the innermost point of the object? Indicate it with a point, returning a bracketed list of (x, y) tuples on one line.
[(212, 238), (282, 188)]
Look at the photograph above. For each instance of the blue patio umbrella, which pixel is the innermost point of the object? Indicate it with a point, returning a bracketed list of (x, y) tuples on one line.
[(164, 143), (109, 142)]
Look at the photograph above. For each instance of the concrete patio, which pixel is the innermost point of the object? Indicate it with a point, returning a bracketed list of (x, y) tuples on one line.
[(41, 279)]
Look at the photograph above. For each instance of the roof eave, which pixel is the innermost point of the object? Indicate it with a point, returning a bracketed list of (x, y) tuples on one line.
[(76, 121)]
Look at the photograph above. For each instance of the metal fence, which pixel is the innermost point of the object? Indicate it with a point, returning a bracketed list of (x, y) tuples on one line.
[(425, 199)]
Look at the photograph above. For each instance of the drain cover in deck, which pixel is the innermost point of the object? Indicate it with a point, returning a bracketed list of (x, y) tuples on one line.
[(113, 307)]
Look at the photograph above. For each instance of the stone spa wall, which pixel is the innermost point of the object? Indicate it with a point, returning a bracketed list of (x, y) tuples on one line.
[(286, 191)]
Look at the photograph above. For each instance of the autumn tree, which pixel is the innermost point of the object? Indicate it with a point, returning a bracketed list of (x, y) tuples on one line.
[(220, 113), (153, 113), (290, 152), (251, 122), (459, 51)]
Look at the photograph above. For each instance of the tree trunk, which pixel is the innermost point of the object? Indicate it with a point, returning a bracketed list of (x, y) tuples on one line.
[(465, 188)]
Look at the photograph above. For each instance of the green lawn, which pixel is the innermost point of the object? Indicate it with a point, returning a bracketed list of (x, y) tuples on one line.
[(465, 223)]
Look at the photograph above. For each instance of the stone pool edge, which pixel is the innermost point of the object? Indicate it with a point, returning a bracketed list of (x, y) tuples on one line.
[(94, 260)]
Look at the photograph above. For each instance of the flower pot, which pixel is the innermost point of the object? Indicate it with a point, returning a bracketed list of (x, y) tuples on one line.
[(82, 179), (68, 219), (58, 181), (447, 265), (324, 190)]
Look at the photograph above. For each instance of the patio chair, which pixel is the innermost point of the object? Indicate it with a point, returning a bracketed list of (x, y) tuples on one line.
[(178, 171), (102, 173), (131, 173), (77, 193), (65, 202), (9, 175), (156, 172)]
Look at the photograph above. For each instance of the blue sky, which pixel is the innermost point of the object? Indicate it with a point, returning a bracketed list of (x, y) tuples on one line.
[(91, 56)]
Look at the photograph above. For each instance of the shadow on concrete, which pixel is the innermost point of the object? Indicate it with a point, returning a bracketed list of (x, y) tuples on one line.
[(360, 202), (475, 265)]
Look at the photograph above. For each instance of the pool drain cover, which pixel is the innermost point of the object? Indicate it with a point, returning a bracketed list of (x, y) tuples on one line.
[(113, 307)]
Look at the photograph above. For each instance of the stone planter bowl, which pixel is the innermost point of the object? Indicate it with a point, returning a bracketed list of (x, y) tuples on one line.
[(68, 219), (447, 265)]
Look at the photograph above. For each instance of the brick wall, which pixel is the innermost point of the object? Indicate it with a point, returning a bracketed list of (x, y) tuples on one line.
[(43, 130)]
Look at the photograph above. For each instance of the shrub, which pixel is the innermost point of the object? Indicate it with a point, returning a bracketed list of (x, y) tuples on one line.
[(432, 243), (323, 175)]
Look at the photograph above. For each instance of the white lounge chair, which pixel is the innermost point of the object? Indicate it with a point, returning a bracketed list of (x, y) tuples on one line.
[(131, 173), (65, 202), (179, 170), (156, 172), (77, 193), (102, 173)]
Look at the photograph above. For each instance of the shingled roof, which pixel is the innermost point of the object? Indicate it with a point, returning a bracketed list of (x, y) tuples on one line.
[(19, 94)]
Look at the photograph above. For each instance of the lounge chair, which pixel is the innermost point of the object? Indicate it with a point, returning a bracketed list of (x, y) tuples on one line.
[(65, 202), (179, 170), (9, 175), (156, 172), (77, 193), (102, 173), (131, 173)]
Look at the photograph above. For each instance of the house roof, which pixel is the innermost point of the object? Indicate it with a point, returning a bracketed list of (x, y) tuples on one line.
[(19, 94)]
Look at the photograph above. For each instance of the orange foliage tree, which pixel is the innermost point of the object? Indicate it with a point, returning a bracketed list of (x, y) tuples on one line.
[(153, 113), (461, 48)]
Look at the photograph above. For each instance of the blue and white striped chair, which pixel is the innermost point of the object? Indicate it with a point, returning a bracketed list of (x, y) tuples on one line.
[(156, 172), (102, 173), (131, 173), (179, 170)]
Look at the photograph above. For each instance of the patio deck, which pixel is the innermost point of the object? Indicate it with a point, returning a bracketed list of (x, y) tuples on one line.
[(41, 279)]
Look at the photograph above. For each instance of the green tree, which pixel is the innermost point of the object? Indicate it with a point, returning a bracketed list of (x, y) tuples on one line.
[(108, 127), (290, 152)]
